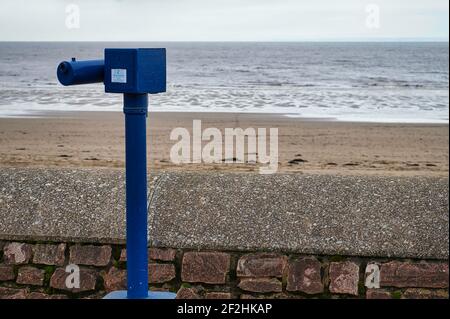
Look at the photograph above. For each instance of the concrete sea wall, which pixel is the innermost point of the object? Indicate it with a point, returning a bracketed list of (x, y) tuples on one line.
[(216, 235)]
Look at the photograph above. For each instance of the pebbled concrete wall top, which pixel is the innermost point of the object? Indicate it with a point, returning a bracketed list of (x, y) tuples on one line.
[(312, 214)]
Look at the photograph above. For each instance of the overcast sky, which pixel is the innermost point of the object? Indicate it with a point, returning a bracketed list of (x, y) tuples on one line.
[(222, 20)]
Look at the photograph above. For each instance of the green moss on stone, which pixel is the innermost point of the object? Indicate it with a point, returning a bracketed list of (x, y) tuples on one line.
[(48, 272), (396, 294), (361, 288)]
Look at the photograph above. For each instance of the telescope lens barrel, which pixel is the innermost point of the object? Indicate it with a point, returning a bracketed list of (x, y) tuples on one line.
[(81, 72)]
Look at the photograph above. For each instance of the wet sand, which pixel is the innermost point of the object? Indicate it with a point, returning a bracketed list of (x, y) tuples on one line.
[(96, 139)]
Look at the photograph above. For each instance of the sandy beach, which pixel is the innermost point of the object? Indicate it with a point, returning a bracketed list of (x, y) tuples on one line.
[(96, 139)]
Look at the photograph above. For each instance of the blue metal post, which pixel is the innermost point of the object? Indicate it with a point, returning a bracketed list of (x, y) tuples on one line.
[(134, 72), (135, 109)]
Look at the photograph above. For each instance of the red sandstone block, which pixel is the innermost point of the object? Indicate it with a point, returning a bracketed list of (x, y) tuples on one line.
[(378, 294), (218, 295), (305, 275), (30, 276), (88, 280), (286, 296), (159, 273), (344, 278), (115, 279), (17, 253), (261, 265), (416, 275), (261, 285), (12, 293), (7, 273), (206, 267), (419, 293), (90, 255), (281, 295), (162, 254), (46, 254), (41, 295), (187, 293), (123, 255)]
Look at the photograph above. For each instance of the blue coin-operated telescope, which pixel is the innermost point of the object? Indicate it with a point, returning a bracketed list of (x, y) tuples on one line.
[(135, 73)]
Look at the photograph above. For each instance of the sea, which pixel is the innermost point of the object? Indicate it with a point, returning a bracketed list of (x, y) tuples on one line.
[(402, 82)]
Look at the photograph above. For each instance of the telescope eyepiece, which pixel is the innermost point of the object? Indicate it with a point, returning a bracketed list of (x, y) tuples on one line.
[(63, 67), (80, 72)]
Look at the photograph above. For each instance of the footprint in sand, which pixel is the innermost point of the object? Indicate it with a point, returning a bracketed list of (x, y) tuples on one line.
[(412, 164), (297, 160), (351, 164)]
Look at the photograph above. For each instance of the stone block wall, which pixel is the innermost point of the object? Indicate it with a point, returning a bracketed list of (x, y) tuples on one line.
[(35, 270)]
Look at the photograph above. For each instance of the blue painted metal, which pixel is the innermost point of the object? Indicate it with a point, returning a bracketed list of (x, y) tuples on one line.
[(134, 72), (135, 109), (80, 72), (145, 70), (122, 294)]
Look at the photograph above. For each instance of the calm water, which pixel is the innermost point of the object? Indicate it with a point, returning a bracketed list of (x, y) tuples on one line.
[(387, 82)]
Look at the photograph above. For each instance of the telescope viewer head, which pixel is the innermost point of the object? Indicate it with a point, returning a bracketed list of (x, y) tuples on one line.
[(134, 71), (80, 72)]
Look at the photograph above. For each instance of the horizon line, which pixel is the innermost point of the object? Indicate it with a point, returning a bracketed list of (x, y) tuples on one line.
[(355, 40)]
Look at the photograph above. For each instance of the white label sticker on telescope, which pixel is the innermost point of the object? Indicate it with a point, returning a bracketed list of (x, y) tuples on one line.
[(119, 75)]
